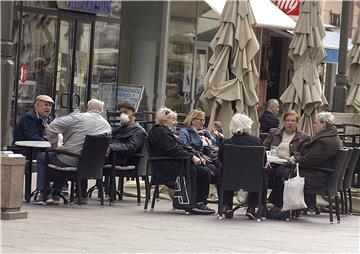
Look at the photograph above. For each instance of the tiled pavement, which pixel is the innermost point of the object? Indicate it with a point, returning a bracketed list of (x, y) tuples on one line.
[(124, 227)]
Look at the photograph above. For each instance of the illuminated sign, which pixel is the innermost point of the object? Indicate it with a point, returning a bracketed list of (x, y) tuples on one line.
[(96, 7), (289, 7)]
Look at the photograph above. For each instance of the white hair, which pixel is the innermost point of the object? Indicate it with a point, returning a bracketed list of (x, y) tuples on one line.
[(240, 123), (163, 115), (326, 117), (95, 104)]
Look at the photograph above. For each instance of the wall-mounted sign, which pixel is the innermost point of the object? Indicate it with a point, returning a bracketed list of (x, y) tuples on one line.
[(289, 7), (96, 7)]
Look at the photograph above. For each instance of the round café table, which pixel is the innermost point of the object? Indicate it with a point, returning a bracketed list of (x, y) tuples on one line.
[(30, 145)]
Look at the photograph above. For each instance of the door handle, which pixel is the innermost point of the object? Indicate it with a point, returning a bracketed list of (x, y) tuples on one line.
[(77, 103), (64, 95)]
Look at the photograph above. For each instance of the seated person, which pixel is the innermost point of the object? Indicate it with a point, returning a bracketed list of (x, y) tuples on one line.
[(127, 138), (289, 141), (199, 138), (74, 128), (164, 142), (320, 151), (32, 126), (269, 119), (239, 127)]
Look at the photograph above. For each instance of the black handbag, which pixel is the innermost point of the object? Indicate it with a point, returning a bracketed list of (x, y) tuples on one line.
[(211, 151), (185, 196)]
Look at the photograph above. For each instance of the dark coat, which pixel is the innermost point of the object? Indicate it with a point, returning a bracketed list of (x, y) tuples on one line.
[(268, 121), (30, 127), (190, 136), (127, 140), (321, 150), (163, 143), (243, 139), (275, 135)]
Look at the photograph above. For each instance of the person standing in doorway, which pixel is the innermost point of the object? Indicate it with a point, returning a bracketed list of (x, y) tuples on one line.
[(268, 119)]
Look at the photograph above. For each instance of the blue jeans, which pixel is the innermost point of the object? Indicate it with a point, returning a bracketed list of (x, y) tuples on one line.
[(40, 163)]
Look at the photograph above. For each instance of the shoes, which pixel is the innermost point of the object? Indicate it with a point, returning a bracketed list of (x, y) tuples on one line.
[(39, 199), (250, 213), (202, 209), (83, 200), (229, 214), (275, 209)]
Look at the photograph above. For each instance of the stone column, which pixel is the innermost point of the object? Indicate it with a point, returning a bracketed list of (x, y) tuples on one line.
[(12, 181), (7, 69)]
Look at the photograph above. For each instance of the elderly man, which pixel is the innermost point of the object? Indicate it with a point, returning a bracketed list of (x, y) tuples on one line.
[(268, 119), (33, 125), (74, 128), (127, 138)]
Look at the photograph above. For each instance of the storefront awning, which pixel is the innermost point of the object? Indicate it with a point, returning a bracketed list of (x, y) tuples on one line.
[(266, 14), (331, 44)]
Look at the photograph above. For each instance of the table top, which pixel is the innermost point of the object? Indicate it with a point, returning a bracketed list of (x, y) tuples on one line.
[(37, 144), (277, 160)]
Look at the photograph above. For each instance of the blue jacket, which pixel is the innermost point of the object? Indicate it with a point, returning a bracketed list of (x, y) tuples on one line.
[(30, 127), (190, 136)]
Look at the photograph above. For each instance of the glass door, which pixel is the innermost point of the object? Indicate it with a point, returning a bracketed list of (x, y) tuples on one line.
[(73, 60)]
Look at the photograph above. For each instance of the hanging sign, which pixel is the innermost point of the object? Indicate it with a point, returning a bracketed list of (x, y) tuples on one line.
[(289, 7), (24, 73), (93, 6)]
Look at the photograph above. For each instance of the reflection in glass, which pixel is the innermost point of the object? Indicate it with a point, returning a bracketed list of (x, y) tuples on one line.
[(37, 49), (105, 63), (180, 62)]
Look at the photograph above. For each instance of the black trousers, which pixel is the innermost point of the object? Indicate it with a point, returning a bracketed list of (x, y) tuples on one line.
[(203, 179)]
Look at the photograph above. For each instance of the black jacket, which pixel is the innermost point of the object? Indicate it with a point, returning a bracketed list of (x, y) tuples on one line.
[(243, 139), (127, 140), (268, 121), (163, 143)]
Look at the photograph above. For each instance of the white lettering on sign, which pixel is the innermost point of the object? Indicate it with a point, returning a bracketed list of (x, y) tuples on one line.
[(290, 7)]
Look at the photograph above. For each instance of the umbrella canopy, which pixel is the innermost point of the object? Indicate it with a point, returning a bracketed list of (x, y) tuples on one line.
[(354, 71), (306, 50), (229, 85)]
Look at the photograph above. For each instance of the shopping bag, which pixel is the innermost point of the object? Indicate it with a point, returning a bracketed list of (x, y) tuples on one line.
[(185, 193), (293, 196)]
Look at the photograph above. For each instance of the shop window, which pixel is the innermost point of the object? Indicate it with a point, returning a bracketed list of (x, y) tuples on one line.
[(105, 64), (37, 49)]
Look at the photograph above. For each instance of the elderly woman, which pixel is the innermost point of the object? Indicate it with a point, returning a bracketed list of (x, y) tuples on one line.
[(199, 138), (239, 127), (320, 151), (289, 141), (164, 142)]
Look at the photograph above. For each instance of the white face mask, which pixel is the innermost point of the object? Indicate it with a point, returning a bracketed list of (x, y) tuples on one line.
[(124, 119)]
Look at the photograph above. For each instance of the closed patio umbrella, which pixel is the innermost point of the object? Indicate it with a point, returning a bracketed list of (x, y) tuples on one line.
[(229, 85), (306, 50), (354, 71)]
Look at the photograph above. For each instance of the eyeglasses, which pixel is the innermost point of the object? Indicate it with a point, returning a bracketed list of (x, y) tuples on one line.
[(202, 120)]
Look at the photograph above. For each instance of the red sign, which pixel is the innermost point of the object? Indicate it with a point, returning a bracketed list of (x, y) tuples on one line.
[(23, 73), (289, 7)]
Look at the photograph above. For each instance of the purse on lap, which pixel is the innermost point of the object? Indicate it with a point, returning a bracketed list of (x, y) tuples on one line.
[(293, 196)]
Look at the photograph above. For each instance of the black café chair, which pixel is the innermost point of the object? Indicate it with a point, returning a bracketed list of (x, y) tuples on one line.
[(243, 168), (90, 166), (126, 171), (330, 189), (113, 118), (341, 180), (152, 173), (348, 177)]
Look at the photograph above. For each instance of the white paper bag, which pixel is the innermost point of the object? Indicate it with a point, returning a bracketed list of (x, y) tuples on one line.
[(293, 196)]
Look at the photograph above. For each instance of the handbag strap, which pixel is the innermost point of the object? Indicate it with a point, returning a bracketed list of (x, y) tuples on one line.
[(297, 170)]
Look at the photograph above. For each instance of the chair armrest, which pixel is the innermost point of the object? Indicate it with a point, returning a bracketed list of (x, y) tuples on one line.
[(168, 158), (305, 167), (58, 151)]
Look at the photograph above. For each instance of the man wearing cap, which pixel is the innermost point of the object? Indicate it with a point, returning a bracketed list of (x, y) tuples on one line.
[(128, 137), (33, 125)]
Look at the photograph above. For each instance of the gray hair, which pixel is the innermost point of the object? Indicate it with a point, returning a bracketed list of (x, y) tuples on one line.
[(271, 102), (95, 104), (240, 123), (163, 115), (326, 117)]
